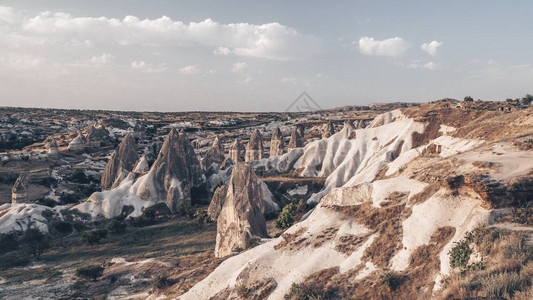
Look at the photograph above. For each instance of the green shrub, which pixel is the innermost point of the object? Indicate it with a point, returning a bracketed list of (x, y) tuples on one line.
[(94, 236), (147, 218), (8, 242), (391, 280), (90, 272), (285, 218), (460, 254), (185, 210), (305, 292), (35, 242), (202, 218), (117, 226)]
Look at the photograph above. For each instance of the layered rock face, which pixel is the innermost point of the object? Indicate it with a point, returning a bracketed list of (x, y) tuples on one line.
[(19, 193), (176, 170), (215, 154), (240, 221), (123, 158), (295, 141), (235, 151), (53, 151), (217, 202), (254, 149), (276, 143)]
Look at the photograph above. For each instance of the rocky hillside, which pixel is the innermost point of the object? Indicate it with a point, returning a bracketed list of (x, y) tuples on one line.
[(400, 195)]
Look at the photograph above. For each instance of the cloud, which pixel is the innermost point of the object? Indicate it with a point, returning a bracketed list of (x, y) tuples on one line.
[(431, 48), (390, 47), (427, 66), (238, 67), (7, 14), (222, 51), (269, 41), (102, 59), (148, 68), (190, 70)]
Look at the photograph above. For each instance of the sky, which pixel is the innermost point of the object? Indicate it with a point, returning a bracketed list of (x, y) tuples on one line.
[(161, 55)]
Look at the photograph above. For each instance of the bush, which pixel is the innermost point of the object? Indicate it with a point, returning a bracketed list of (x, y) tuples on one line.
[(147, 218), (304, 292), (94, 236), (159, 282), (527, 99), (8, 242), (202, 218), (35, 242), (90, 272), (285, 218), (185, 210), (469, 99), (63, 229), (391, 280), (117, 226), (460, 254)]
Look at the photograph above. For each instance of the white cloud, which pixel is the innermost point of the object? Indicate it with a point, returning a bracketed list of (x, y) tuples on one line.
[(427, 66), (189, 70), (390, 47), (431, 48), (148, 68), (7, 14), (270, 41), (102, 59), (289, 80), (238, 67), (222, 51)]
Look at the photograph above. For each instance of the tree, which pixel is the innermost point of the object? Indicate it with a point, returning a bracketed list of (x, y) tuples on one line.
[(63, 228), (469, 99), (527, 99), (90, 272), (36, 242)]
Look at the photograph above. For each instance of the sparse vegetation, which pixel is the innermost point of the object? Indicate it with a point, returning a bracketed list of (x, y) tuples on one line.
[(90, 272), (468, 99), (94, 236), (391, 280), (304, 292), (460, 254), (159, 282), (117, 226), (35, 242), (285, 218)]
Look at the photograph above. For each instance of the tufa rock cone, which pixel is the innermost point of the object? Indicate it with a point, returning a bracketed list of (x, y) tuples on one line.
[(215, 154), (176, 170), (276, 143), (241, 221), (235, 151), (295, 141), (254, 149), (123, 158), (329, 130), (217, 202)]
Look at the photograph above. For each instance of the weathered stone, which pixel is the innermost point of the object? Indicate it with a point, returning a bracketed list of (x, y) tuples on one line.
[(235, 151), (175, 171), (329, 130), (217, 202), (240, 223), (123, 158), (215, 154), (295, 141), (78, 143), (276, 143), (53, 151), (19, 193), (254, 149), (96, 136)]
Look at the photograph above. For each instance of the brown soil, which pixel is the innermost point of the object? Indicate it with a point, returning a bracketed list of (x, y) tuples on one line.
[(347, 244)]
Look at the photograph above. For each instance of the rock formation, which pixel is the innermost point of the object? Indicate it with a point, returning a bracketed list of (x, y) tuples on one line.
[(175, 171), (301, 130), (53, 151), (215, 154), (276, 143), (240, 222), (329, 130), (217, 202), (254, 149), (78, 143), (226, 163), (142, 165), (295, 141), (96, 136), (235, 151), (123, 158), (19, 193)]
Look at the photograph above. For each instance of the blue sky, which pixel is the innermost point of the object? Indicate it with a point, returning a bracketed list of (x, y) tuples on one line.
[(260, 55)]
